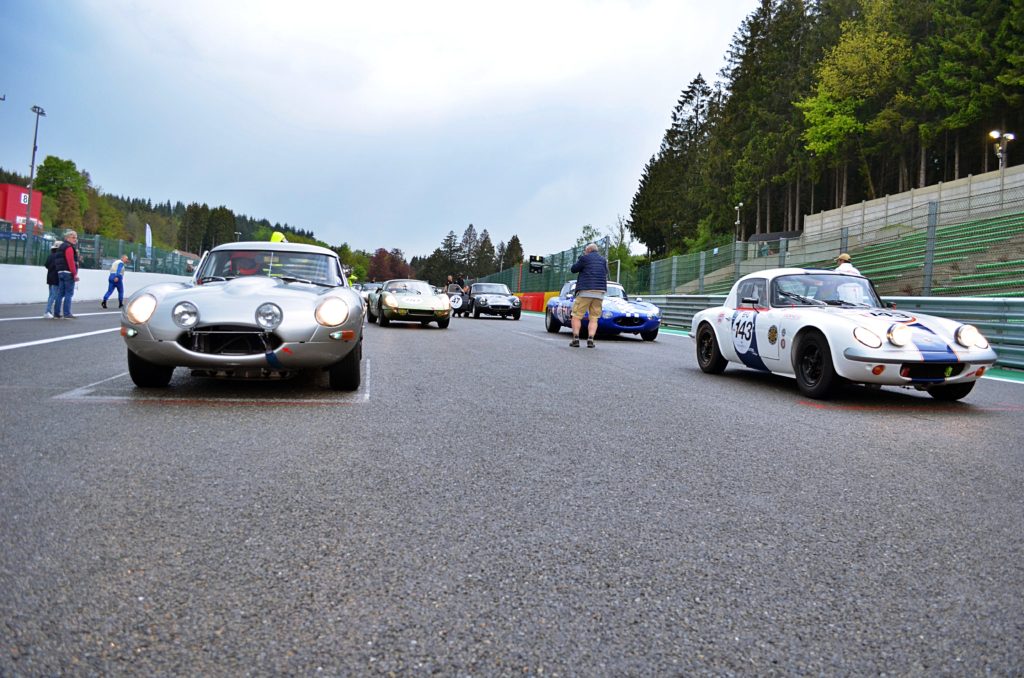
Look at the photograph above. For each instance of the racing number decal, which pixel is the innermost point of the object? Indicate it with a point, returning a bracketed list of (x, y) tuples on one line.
[(743, 330)]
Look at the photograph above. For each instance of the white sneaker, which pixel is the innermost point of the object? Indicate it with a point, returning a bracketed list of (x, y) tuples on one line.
[(48, 315)]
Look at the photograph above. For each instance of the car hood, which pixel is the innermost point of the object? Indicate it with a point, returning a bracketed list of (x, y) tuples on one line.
[(432, 302), (628, 306), (492, 298)]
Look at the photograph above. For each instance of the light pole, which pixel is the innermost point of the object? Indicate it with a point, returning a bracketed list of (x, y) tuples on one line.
[(738, 207), (238, 234), (31, 179), (1000, 140)]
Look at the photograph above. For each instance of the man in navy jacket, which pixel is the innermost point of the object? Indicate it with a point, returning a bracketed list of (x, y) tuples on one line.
[(591, 285)]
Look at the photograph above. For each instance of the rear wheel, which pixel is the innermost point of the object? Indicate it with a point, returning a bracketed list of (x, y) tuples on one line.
[(815, 373), (650, 335), (551, 323), (709, 358), (347, 374), (146, 374), (951, 392)]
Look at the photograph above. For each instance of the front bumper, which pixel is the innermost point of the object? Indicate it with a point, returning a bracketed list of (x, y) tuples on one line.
[(906, 367), (414, 314)]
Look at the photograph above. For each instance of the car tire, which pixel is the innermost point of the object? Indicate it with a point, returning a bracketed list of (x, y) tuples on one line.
[(551, 323), (709, 357), (951, 392), (370, 315), (382, 319), (443, 323), (347, 374), (812, 364), (650, 335), (516, 315), (476, 313), (146, 374)]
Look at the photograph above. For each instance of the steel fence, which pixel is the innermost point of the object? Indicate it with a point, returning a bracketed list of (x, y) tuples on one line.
[(95, 252)]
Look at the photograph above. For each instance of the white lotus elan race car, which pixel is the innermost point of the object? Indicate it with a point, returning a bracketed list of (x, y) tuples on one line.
[(823, 327)]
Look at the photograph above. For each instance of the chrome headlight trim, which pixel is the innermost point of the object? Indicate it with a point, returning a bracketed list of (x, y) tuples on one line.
[(867, 337), (140, 309), (269, 316), (968, 336), (899, 335), (185, 314), (332, 312)]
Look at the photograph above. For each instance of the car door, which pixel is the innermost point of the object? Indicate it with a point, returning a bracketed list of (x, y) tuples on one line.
[(564, 307), (750, 321)]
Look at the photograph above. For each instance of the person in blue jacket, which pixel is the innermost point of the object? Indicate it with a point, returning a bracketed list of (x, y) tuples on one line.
[(51, 278), (591, 286), (115, 281)]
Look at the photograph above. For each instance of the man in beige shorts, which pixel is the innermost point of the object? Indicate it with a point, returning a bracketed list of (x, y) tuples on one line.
[(591, 286)]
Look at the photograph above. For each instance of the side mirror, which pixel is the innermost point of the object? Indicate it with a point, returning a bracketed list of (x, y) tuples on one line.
[(891, 304), (639, 299), (752, 301)]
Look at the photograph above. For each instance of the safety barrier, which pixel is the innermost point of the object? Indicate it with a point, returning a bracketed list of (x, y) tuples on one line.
[(1000, 320)]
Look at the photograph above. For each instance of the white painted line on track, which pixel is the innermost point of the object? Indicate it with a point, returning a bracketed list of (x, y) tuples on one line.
[(39, 342), (83, 391), (77, 315)]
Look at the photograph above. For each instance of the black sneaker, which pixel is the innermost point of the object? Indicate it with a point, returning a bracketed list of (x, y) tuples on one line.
[(57, 317), (591, 344), (70, 317), (103, 303), (120, 305), (575, 343)]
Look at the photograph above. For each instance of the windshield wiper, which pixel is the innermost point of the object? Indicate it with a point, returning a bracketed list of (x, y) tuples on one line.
[(800, 297), (288, 278)]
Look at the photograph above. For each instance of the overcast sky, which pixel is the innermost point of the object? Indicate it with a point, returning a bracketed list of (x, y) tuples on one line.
[(379, 123)]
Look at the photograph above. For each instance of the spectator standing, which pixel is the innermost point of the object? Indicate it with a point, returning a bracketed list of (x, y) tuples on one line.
[(115, 281), (591, 286), (51, 278), (844, 264), (67, 274)]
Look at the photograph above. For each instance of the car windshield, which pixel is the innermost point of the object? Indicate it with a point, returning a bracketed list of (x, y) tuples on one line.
[(408, 287), (615, 292), (312, 267), (454, 289), (490, 288), (371, 287), (821, 289)]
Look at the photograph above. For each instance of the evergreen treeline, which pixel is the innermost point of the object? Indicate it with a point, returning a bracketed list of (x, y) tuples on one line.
[(829, 102), (473, 256)]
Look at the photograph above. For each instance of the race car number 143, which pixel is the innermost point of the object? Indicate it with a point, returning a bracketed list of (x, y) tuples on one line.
[(743, 330)]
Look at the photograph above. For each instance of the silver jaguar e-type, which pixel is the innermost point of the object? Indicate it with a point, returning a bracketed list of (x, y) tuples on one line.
[(253, 310)]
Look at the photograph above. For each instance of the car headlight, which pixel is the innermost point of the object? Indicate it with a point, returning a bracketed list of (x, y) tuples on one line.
[(390, 301), (269, 316), (140, 309), (332, 312), (606, 314), (185, 314), (968, 336), (899, 335), (444, 303), (516, 301), (867, 337)]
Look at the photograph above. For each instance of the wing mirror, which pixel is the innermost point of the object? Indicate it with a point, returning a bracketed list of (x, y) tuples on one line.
[(751, 301)]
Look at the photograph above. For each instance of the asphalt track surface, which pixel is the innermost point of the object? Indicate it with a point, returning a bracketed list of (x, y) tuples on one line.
[(493, 502)]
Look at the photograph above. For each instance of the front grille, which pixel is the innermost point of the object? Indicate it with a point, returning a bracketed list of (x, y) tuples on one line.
[(931, 371), (415, 313), (625, 321), (238, 340)]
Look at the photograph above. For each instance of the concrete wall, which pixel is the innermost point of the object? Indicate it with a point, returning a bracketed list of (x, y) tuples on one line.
[(21, 284)]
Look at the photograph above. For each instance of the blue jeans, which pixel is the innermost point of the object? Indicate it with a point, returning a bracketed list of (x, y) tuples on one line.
[(65, 290), (51, 302), (111, 286)]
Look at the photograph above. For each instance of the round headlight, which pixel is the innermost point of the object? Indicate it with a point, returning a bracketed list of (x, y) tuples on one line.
[(899, 335), (390, 301), (515, 301), (140, 309), (332, 312), (444, 302), (968, 336), (867, 337), (185, 314), (269, 316)]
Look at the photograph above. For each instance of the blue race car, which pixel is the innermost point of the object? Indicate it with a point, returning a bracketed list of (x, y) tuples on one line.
[(619, 314)]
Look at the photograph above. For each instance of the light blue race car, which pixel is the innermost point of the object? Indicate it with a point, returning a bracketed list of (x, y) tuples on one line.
[(619, 313)]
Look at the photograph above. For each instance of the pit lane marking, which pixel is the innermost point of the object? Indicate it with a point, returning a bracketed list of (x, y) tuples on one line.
[(77, 315), (39, 342), (85, 394)]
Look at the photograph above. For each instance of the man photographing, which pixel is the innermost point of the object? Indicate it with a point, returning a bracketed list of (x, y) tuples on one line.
[(591, 285)]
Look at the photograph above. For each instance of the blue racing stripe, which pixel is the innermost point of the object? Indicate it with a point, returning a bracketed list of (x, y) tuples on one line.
[(932, 348)]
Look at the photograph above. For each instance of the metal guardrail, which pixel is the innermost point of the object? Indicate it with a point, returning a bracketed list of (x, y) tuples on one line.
[(1001, 320)]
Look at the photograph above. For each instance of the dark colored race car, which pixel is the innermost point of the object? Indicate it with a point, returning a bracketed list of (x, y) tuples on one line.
[(494, 299), (459, 300)]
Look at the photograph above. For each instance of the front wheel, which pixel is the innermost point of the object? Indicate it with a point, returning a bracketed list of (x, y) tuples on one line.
[(370, 315), (443, 323), (516, 315), (476, 313), (146, 374), (347, 374), (649, 335), (382, 319), (951, 392), (815, 373), (709, 357), (551, 323)]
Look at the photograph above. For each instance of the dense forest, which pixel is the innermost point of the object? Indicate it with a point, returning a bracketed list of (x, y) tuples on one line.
[(821, 103), (829, 102)]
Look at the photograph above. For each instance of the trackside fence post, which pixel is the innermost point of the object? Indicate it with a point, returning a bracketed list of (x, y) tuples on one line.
[(929, 251)]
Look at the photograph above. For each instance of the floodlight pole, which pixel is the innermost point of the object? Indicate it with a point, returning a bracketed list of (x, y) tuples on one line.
[(31, 179)]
